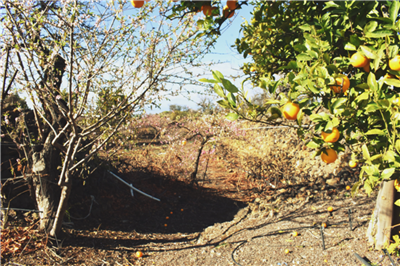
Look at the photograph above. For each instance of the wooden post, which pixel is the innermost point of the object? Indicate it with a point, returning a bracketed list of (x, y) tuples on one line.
[(379, 228)]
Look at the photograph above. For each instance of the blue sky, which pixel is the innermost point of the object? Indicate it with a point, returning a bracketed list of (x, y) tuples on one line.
[(222, 52)]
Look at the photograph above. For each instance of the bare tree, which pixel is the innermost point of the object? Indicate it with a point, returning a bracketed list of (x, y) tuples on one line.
[(68, 55)]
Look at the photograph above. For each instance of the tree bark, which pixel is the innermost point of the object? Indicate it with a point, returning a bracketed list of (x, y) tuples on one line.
[(45, 162), (379, 228)]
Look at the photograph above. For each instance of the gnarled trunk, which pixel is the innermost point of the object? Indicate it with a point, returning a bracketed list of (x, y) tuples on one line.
[(47, 193)]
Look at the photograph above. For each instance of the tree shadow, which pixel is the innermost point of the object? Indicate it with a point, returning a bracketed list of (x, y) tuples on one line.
[(182, 208)]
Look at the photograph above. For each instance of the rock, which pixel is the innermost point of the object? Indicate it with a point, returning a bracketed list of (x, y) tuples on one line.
[(333, 181)]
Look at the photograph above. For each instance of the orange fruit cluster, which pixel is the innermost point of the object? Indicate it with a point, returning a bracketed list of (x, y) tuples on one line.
[(358, 60), (394, 63), (330, 156), (290, 111), (343, 83), (353, 164), (331, 137), (139, 254), (397, 185)]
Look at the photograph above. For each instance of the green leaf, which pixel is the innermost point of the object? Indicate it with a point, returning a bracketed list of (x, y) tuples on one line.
[(313, 54), (275, 111), (312, 145), (397, 146), (319, 117), (362, 96), (387, 173), (330, 4), (217, 75), (379, 34), (368, 187), (355, 40), (300, 116), (370, 27), (397, 203), (272, 101), (390, 156), (219, 90), (350, 47), (273, 88), (339, 103), (373, 85), (208, 80), (224, 104), (326, 58), (393, 51), (322, 72), (274, 117), (328, 127), (368, 52), (303, 57), (394, 11), (372, 107), (232, 116), (392, 82), (300, 47), (232, 99), (375, 132), (365, 152), (229, 86), (376, 157)]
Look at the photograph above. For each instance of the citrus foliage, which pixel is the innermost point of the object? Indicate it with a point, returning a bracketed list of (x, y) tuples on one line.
[(310, 46)]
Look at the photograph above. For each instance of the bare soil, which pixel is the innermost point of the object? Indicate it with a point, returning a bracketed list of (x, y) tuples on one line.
[(227, 219)]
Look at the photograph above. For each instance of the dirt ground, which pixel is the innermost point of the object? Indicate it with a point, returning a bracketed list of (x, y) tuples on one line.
[(227, 219)]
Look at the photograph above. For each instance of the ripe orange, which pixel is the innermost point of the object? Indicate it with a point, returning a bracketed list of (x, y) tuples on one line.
[(348, 187), (330, 209), (287, 251), (231, 4), (331, 137), (330, 157), (394, 63), (324, 225), (183, 142), (342, 87), (295, 233), (167, 217), (367, 68), (353, 164), (397, 185), (290, 111), (137, 3), (358, 60), (227, 12), (139, 254), (207, 10)]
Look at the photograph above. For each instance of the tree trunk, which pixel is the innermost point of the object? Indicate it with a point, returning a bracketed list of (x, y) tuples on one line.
[(47, 192), (379, 228)]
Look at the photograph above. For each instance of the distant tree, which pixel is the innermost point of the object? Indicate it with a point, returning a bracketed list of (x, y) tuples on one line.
[(207, 105), (175, 107)]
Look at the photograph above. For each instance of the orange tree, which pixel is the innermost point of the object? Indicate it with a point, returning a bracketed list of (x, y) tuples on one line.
[(303, 53)]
